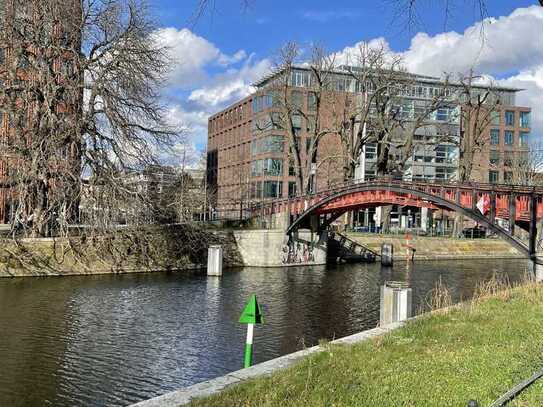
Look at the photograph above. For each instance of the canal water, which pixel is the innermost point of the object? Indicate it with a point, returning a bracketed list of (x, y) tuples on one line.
[(112, 340)]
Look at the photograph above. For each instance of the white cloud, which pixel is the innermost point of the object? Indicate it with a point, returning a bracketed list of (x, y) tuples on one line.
[(531, 80), (191, 54), (350, 54), (211, 78), (232, 85), (184, 155), (195, 123), (502, 45), (506, 45), (505, 48)]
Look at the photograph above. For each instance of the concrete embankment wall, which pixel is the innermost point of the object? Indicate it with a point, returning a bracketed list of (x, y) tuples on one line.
[(431, 248), (175, 247), (272, 248), (185, 248)]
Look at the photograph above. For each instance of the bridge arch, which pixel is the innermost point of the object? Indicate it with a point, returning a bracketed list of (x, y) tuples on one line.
[(424, 199)]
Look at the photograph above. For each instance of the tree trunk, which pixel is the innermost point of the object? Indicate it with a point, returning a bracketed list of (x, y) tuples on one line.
[(385, 218)]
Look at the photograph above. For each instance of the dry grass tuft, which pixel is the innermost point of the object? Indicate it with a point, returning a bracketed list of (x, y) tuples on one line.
[(440, 298), (498, 286)]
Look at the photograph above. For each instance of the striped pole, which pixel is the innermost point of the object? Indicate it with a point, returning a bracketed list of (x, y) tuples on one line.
[(248, 359), (251, 315)]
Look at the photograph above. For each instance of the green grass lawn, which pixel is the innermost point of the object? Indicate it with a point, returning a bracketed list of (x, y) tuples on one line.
[(478, 350)]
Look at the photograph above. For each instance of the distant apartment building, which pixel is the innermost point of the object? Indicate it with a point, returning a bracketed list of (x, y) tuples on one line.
[(16, 17), (248, 158)]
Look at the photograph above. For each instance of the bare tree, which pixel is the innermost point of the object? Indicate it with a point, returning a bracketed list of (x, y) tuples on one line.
[(288, 112), (82, 99), (406, 13), (524, 165), (389, 112), (384, 112), (479, 106)]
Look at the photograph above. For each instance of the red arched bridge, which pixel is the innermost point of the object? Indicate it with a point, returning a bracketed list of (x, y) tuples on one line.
[(522, 206)]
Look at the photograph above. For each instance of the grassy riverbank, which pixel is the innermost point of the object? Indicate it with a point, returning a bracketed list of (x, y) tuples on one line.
[(477, 350)]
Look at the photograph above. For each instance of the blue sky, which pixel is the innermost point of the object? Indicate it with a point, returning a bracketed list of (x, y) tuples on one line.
[(220, 55)]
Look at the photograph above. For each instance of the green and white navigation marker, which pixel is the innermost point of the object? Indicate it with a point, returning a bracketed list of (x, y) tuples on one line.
[(251, 315)]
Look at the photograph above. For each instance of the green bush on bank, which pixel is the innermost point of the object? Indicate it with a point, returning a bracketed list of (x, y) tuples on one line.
[(478, 350)]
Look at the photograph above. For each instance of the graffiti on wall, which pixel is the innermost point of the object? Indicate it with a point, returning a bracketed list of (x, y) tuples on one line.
[(297, 252)]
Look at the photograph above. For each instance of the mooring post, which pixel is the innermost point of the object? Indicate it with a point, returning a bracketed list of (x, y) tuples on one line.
[(214, 260), (395, 302), (387, 253)]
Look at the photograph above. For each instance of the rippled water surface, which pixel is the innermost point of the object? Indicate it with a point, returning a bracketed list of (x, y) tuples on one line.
[(114, 340)]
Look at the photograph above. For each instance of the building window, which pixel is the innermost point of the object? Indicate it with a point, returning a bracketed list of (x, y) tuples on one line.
[(508, 138), (508, 158), (273, 167), (494, 137), (291, 189), (445, 154), (300, 78), (493, 177), (311, 101), (508, 177), (270, 144), (494, 157), (495, 118), (297, 98), (442, 114), (273, 189), (262, 102), (524, 119), (509, 118), (371, 151), (296, 123), (524, 138)]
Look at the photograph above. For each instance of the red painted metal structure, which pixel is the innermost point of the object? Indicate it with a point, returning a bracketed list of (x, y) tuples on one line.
[(519, 205)]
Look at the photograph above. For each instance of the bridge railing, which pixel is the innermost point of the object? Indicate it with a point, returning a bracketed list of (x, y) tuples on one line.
[(308, 200)]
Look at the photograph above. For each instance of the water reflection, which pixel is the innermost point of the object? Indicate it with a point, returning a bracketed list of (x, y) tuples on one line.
[(114, 340)]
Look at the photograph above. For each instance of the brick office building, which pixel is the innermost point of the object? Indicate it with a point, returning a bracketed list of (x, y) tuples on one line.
[(20, 23), (248, 159)]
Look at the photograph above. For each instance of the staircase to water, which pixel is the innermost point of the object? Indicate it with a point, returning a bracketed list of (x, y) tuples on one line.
[(342, 249)]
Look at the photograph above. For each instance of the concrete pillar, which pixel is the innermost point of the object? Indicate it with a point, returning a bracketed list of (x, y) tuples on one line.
[(424, 219), (396, 303), (403, 222), (377, 216), (314, 221), (387, 253), (214, 261), (367, 217)]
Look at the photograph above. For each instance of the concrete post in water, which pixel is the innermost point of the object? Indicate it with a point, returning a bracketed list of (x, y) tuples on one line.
[(214, 261), (387, 251), (396, 302)]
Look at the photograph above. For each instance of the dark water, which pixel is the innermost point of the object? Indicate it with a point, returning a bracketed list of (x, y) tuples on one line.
[(114, 340)]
